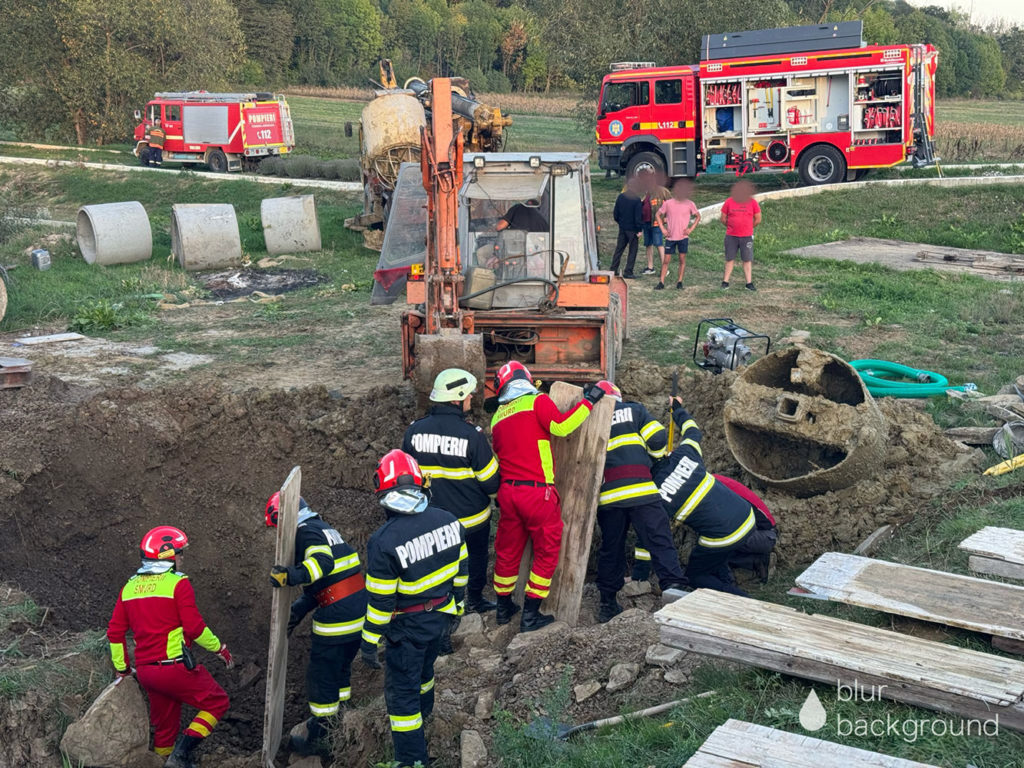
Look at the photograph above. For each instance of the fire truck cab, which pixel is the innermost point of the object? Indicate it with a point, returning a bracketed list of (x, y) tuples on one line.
[(226, 131), (813, 99)]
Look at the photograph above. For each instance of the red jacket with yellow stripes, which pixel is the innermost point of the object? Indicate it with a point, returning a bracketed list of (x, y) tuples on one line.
[(522, 430), (160, 610)]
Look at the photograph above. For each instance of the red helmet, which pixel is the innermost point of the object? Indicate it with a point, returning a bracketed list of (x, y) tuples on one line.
[(610, 389), (163, 543), (397, 470), (511, 371), (274, 504)]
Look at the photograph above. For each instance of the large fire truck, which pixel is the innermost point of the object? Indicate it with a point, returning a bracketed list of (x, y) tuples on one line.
[(815, 99), (226, 131)]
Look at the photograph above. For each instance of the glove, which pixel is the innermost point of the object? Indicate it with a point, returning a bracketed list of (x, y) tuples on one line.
[(278, 576), (592, 394), (121, 674), (460, 609), (302, 605), (368, 655), (225, 656)]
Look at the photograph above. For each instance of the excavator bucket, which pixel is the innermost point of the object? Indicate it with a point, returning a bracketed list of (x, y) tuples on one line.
[(448, 349)]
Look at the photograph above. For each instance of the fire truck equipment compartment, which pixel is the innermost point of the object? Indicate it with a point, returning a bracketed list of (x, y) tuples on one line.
[(765, 42), (290, 224), (205, 236), (114, 233)]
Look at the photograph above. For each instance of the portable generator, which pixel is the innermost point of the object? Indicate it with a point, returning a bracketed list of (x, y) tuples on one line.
[(722, 345)]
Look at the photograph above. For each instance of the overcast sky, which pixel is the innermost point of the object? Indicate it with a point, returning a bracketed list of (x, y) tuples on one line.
[(983, 11)]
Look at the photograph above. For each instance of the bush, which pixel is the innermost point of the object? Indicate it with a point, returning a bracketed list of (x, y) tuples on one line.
[(498, 83), (308, 167), (104, 316), (342, 170)]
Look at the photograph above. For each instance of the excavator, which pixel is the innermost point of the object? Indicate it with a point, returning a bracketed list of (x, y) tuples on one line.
[(508, 266)]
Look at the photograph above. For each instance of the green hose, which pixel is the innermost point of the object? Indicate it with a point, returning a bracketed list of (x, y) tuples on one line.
[(885, 379)]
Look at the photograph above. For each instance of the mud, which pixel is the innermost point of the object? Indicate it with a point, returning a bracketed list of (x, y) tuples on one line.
[(234, 283)]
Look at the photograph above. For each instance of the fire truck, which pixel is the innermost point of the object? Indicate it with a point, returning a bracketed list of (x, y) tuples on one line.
[(226, 131), (814, 99)]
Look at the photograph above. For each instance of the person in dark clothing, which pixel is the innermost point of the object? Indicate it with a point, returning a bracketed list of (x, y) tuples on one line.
[(755, 553), (525, 217), (628, 214), (328, 569)]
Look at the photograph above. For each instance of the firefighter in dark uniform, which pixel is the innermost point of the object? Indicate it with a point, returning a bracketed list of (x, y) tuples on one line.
[(630, 497), (455, 455), (721, 519), (328, 569), (416, 574)]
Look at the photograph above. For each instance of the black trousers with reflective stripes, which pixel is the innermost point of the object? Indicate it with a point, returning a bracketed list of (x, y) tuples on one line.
[(329, 673), (478, 547), (708, 568), (655, 533), (413, 640), (756, 548)]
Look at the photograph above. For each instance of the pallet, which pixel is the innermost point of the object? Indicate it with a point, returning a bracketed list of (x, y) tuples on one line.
[(15, 372), (738, 744), (978, 605), (997, 552), (902, 668)]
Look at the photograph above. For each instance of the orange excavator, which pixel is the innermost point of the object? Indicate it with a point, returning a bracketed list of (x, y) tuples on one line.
[(510, 266)]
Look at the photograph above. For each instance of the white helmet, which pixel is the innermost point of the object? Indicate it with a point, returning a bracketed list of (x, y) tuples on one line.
[(452, 385)]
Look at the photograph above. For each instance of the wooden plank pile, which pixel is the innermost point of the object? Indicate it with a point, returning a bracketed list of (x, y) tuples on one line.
[(997, 552)]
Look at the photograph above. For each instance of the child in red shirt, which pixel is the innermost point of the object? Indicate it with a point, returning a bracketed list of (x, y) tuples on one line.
[(740, 214)]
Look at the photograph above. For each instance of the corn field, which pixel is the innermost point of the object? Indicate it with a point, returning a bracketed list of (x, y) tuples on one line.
[(958, 142)]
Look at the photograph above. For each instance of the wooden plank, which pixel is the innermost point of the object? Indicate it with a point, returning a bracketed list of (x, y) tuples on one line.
[(875, 540), (280, 607), (972, 435), (992, 567), (747, 745), (579, 470), (30, 341), (902, 668), (983, 606), (1005, 544)]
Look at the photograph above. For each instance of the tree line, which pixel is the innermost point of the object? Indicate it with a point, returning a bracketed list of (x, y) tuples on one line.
[(75, 69)]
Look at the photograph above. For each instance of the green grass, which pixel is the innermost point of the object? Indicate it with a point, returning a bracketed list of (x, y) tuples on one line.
[(976, 111)]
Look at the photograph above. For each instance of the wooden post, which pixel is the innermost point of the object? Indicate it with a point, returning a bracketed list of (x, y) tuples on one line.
[(280, 609)]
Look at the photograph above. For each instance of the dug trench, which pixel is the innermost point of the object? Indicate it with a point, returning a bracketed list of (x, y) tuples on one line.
[(83, 474)]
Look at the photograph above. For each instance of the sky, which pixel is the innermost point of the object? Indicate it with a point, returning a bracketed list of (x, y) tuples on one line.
[(983, 11)]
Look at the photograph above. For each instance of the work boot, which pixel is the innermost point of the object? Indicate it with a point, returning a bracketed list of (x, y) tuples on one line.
[(506, 609), (478, 604), (641, 570), (181, 757), (312, 743), (533, 619), (609, 609)]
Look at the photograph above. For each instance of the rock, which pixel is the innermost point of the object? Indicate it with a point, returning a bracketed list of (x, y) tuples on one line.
[(474, 753), (584, 691), (484, 705), (471, 624), (517, 648), (113, 732), (677, 676), (312, 761), (631, 614), (503, 635), (622, 676), (485, 659), (659, 655), (635, 589)]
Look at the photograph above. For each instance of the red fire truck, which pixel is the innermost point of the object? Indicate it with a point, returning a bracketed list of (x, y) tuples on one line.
[(814, 99), (226, 131)]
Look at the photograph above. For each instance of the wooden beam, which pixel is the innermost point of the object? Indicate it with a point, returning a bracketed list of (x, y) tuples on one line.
[(989, 607), (996, 551), (280, 607), (835, 652), (972, 435), (737, 744), (875, 540)]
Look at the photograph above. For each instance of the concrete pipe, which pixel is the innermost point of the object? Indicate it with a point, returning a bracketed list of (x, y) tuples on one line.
[(205, 236), (801, 420), (290, 224), (114, 233)]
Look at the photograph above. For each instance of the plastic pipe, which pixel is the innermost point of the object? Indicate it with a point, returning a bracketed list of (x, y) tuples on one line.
[(886, 379), (205, 236), (290, 224), (114, 233)]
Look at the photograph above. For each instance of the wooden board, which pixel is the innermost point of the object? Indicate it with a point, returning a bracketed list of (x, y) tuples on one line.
[(280, 608), (918, 593), (875, 540), (996, 551), (913, 671), (737, 744), (30, 341)]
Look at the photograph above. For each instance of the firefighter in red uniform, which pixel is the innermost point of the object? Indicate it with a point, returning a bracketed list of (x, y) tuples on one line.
[(522, 429), (158, 605)]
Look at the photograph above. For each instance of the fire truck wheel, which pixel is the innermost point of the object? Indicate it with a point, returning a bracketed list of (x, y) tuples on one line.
[(822, 164), (645, 162), (217, 161)]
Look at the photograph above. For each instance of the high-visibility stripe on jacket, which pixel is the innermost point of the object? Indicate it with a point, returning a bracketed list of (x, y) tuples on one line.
[(160, 611), (412, 560), (690, 494), (325, 558), (457, 458), (637, 438), (522, 430)]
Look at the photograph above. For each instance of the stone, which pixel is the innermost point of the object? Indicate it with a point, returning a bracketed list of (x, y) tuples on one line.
[(659, 655), (677, 676), (501, 636), (113, 732), (521, 642), (471, 624), (474, 753), (485, 659), (484, 705), (635, 589), (630, 615), (622, 676), (584, 691)]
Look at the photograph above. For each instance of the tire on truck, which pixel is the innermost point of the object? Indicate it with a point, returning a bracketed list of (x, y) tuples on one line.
[(822, 164), (217, 161), (645, 162)]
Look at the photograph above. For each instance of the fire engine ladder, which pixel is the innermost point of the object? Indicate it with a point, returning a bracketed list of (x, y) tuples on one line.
[(213, 98), (925, 147)]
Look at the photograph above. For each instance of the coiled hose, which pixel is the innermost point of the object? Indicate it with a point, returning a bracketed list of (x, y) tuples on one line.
[(885, 379)]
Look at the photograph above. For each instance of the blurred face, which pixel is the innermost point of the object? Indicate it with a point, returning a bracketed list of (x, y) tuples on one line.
[(743, 190), (681, 189)]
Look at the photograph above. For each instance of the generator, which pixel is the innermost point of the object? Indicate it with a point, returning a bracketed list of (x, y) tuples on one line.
[(725, 345)]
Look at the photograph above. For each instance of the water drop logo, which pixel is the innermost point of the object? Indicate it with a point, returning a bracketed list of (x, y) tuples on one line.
[(812, 714)]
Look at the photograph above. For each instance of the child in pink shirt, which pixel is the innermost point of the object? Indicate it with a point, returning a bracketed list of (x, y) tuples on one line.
[(677, 216), (740, 214)]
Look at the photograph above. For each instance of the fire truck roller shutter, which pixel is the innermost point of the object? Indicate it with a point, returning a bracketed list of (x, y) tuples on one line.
[(205, 124)]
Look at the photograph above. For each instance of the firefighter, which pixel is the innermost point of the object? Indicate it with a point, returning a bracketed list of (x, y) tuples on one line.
[(522, 429), (328, 569), (721, 519), (416, 574), (155, 138), (158, 605), (629, 496), (456, 457), (755, 553)]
